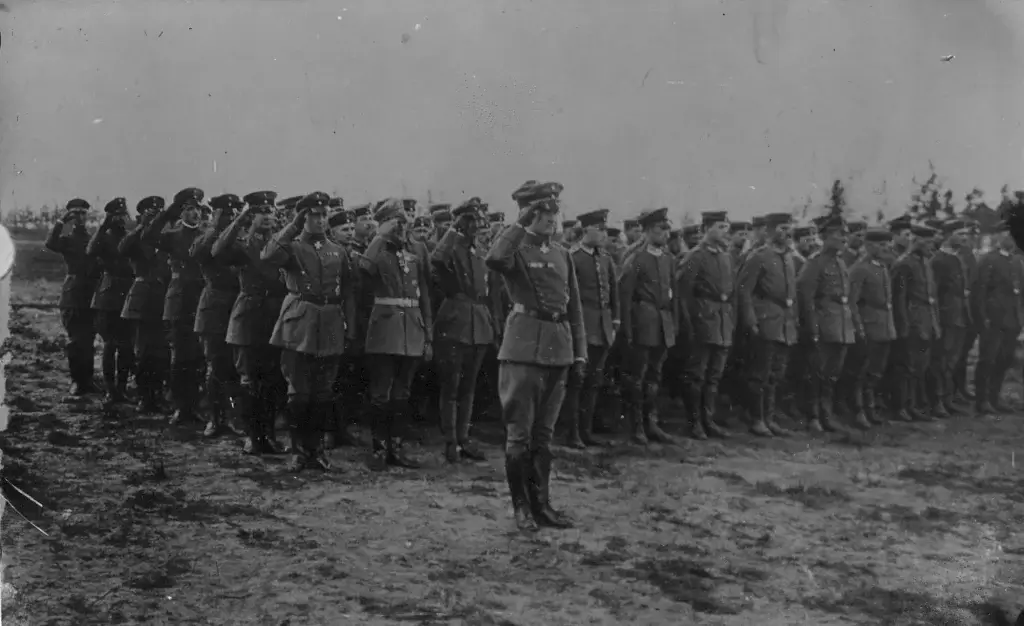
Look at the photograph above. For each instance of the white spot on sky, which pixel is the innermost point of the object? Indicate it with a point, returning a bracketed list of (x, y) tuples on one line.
[(417, 27), (98, 120), (339, 17)]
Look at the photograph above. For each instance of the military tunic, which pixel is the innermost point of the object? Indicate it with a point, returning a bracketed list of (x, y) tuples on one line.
[(75, 299), (463, 329), (915, 315), (118, 358), (143, 309), (871, 300), (953, 295), (970, 261), (999, 312), (544, 334)]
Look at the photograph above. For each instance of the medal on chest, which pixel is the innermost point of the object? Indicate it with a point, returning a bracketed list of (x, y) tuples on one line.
[(544, 248), (402, 262), (318, 244)]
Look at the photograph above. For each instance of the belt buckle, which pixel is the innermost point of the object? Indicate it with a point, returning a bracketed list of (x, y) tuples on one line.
[(931, 300), (842, 299), (724, 297), (888, 305), (789, 302), (556, 317)]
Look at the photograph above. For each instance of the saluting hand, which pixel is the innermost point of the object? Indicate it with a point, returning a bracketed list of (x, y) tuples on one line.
[(526, 215), (300, 219)]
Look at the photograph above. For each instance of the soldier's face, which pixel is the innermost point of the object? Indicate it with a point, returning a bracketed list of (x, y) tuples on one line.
[(345, 232), (545, 223), (632, 234), (781, 235), (191, 215), (442, 227), (420, 233), (364, 226), (315, 223), (718, 232), (957, 240), (1005, 241), (593, 236), (874, 248), (657, 235), (834, 239)]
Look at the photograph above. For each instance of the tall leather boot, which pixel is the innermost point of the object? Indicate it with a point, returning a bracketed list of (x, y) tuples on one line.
[(214, 395), (870, 409), (253, 411), (634, 410), (79, 384), (540, 493), (826, 415), (319, 414), (901, 390), (695, 411), (995, 389), (467, 448), (400, 413), (125, 365), (588, 406), (517, 471), (651, 423), (768, 397), (570, 416), (916, 404), (449, 425), (298, 427), (756, 409), (709, 409)]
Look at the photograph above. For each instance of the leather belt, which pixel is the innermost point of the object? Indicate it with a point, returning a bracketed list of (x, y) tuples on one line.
[(320, 300), (407, 303), (465, 297), (544, 316)]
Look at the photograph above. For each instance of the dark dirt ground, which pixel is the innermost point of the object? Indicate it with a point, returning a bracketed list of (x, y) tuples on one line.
[(906, 525)]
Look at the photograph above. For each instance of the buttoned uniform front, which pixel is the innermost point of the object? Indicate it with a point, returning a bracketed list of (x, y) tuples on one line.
[(871, 307), (999, 312), (915, 314), (213, 313), (463, 329), (544, 334), (398, 331), (953, 295), (180, 304), (766, 303), (143, 310), (970, 260), (253, 316), (649, 325), (80, 280), (823, 290), (705, 283), (597, 281), (118, 360)]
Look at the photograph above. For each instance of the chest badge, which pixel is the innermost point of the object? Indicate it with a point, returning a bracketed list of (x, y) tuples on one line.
[(317, 245), (544, 248)]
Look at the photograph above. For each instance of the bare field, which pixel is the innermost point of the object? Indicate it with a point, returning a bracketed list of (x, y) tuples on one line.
[(905, 525)]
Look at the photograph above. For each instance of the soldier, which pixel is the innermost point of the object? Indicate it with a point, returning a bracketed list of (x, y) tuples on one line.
[(182, 298), (871, 300), (917, 326), (353, 382), (69, 238), (999, 313), (804, 245), (901, 236), (855, 242), (739, 237), (648, 325), (420, 231), (409, 204), (599, 298), (441, 216), (823, 289), (143, 307), (953, 293), (765, 298), (263, 390), (501, 307), (691, 236), (544, 339), (705, 280), (632, 230), (311, 329), (118, 357), (463, 327), (968, 256), (613, 244), (675, 244), (213, 314), (399, 333)]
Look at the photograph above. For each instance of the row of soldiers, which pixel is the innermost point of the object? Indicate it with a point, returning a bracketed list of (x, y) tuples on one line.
[(217, 298)]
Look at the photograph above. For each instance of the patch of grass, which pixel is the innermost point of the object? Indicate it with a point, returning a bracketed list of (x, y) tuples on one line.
[(928, 520), (731, 478), (884, 605), (684, 581), (475, 488), (811, 496)]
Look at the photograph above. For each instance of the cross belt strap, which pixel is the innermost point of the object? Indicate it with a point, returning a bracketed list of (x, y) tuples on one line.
[(407, 303), (545, 316)]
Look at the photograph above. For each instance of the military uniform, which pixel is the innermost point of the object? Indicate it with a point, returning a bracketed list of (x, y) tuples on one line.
[(70, 241), (953, 294), (143, 307), (998, 309), (182, 298), (213, 313), (766, 299), (312, 328), (463, 330), (352, 384), (649, 327), (398, 335), (970, 260), (253, 315), (871, 306), (706, 286), (599, 297), (915, 315), (544, 335), (118, 356)]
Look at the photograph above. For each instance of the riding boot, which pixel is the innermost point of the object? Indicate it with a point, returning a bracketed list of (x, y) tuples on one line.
[(517, 471), (588, 404), (916, 404), (380, 435), (298, 428), (756, 409), (253, 411), (826, 415), (448, 418), (709, 409), (695, 409), (319, 414), (770, 416), (215, 424), (651, 423), (400, 412), (540, 494), (870, 410), (634, 409)]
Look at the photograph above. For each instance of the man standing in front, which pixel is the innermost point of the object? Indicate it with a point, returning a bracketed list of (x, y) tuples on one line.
[(312, 329), (648, 324), (599, 297), (464, 326), (707, 321), (953, 295), (544, 337), (765, 297)]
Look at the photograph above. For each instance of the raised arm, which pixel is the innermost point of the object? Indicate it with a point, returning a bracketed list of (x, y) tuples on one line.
[(278, 251), (54, 241), (226, 245), (425, 308), (502, 256), (131, 244)]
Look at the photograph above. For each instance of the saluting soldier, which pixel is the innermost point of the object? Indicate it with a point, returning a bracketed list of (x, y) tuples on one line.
[(399, 333), (544, 338), (501, 306), (182, 295), (953, 294), (312, 329), (871, 306), (823, 289), (917, 324), (70, 239), (766, 299), (707, 321), (999, 312), (353, 363), (599, 297), (253, 315), (118, 356), (214, 312), (463, 326), (144, 304), (441, 217), (648, 325)]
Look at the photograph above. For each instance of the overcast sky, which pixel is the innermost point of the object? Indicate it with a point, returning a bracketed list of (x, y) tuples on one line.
[(696, 104)]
